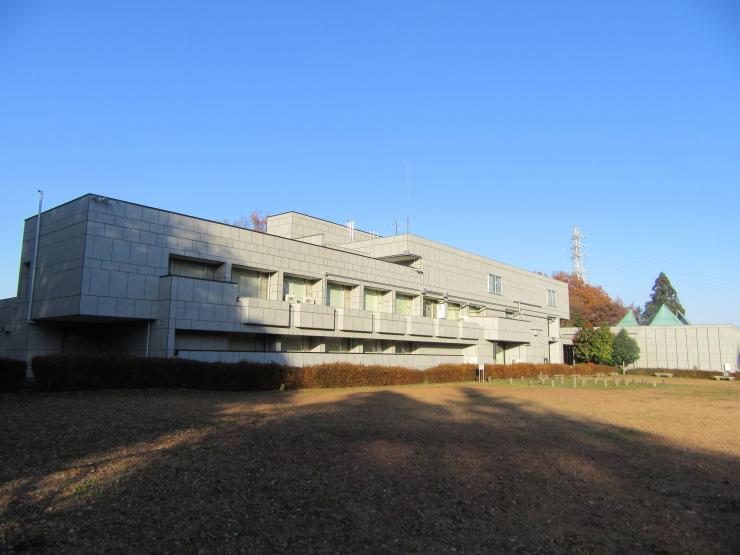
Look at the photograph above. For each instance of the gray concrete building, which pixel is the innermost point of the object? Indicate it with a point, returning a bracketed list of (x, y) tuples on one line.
[(684, 347), (117, 277)]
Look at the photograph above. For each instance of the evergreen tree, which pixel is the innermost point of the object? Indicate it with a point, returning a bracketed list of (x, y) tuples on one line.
[(625, 349), (593, 345), (663, 294)]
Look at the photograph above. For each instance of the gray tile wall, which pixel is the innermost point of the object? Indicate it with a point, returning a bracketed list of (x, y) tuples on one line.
[(683, 347), (103, 259)]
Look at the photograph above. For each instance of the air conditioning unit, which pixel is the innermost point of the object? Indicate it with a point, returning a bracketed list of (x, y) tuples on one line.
[(310, 300), (292, 299)]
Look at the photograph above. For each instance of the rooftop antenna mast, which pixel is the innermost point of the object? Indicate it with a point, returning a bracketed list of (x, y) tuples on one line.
[(577, 254), (351, 229)]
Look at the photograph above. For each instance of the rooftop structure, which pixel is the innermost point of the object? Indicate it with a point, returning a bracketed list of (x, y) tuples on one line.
[(628, 320), (664, 317)]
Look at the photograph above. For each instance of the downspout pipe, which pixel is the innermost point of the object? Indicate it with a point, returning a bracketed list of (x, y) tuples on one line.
[(148, 330), (35, 256)]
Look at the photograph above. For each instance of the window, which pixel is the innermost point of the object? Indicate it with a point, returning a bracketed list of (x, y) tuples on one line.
[(404, 348), (494, 284), (339, 295), (299, 343), (453, 311), (552, 298), (431, 308), (298, 287), (374, 346), (252, 342), (374, 300), (337, 345), (292, 343), (403, 304), (192, 268), (475, 311), (250, 283)]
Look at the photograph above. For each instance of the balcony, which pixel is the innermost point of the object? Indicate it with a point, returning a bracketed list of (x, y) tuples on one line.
[(390, 323), (181, 288), (349, 319), (506, 329), (446, 328), (469, 329), (418, 325), (264, 312), (313, 316)]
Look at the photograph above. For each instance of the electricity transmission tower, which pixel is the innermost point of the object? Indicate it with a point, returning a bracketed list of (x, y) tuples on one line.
[(577, 254)]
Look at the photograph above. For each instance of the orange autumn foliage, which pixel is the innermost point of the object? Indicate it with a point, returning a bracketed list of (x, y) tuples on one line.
[(590, 304)]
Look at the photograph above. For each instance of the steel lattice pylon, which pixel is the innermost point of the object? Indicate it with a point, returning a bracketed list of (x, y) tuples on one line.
[(577, 254)]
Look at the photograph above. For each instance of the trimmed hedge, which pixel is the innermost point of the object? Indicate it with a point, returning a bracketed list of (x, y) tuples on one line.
[(73, 372), (344, 374), (676, 373), (65, 373), (12, 374), (526, 370)]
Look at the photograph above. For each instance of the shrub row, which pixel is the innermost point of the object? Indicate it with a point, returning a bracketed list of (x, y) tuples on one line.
[(65, 373), (586, 369), (73, 372), (12, 374), (526, 370), (342, 374), (676, 373)]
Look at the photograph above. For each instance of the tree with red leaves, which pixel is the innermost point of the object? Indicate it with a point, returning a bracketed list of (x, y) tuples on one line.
[(590, 304)]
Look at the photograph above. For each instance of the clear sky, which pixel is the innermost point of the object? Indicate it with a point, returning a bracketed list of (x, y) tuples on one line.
[(517, 120)]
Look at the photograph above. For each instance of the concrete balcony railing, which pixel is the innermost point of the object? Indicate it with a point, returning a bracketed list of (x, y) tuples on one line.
[(506, 329), (313, 316), (350, 319), (182, 288), (389, 323), (418, 325), (469, 329), (264, 312), (446, 328)]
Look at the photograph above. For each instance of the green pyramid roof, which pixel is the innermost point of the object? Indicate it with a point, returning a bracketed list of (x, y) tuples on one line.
[(664, 317), (628, 321)]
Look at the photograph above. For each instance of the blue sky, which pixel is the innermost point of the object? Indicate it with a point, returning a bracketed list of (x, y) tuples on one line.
[(517, 121)]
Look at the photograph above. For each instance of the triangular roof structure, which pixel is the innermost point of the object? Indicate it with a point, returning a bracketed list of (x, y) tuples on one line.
[(628, 320), (664, 317)]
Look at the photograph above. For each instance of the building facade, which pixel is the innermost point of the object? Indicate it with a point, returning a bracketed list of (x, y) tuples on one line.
[(668, 343), (117, 277)]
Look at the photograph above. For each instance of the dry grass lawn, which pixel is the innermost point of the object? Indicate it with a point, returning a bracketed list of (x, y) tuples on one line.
[(427, 469)]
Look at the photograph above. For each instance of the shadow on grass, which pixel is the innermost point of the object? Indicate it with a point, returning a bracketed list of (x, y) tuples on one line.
[(374, 471)]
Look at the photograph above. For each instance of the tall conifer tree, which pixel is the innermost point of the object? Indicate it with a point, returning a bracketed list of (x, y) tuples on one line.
[(663, 294)]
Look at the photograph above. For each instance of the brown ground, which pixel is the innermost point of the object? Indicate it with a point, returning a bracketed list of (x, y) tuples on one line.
[(466, 468)]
